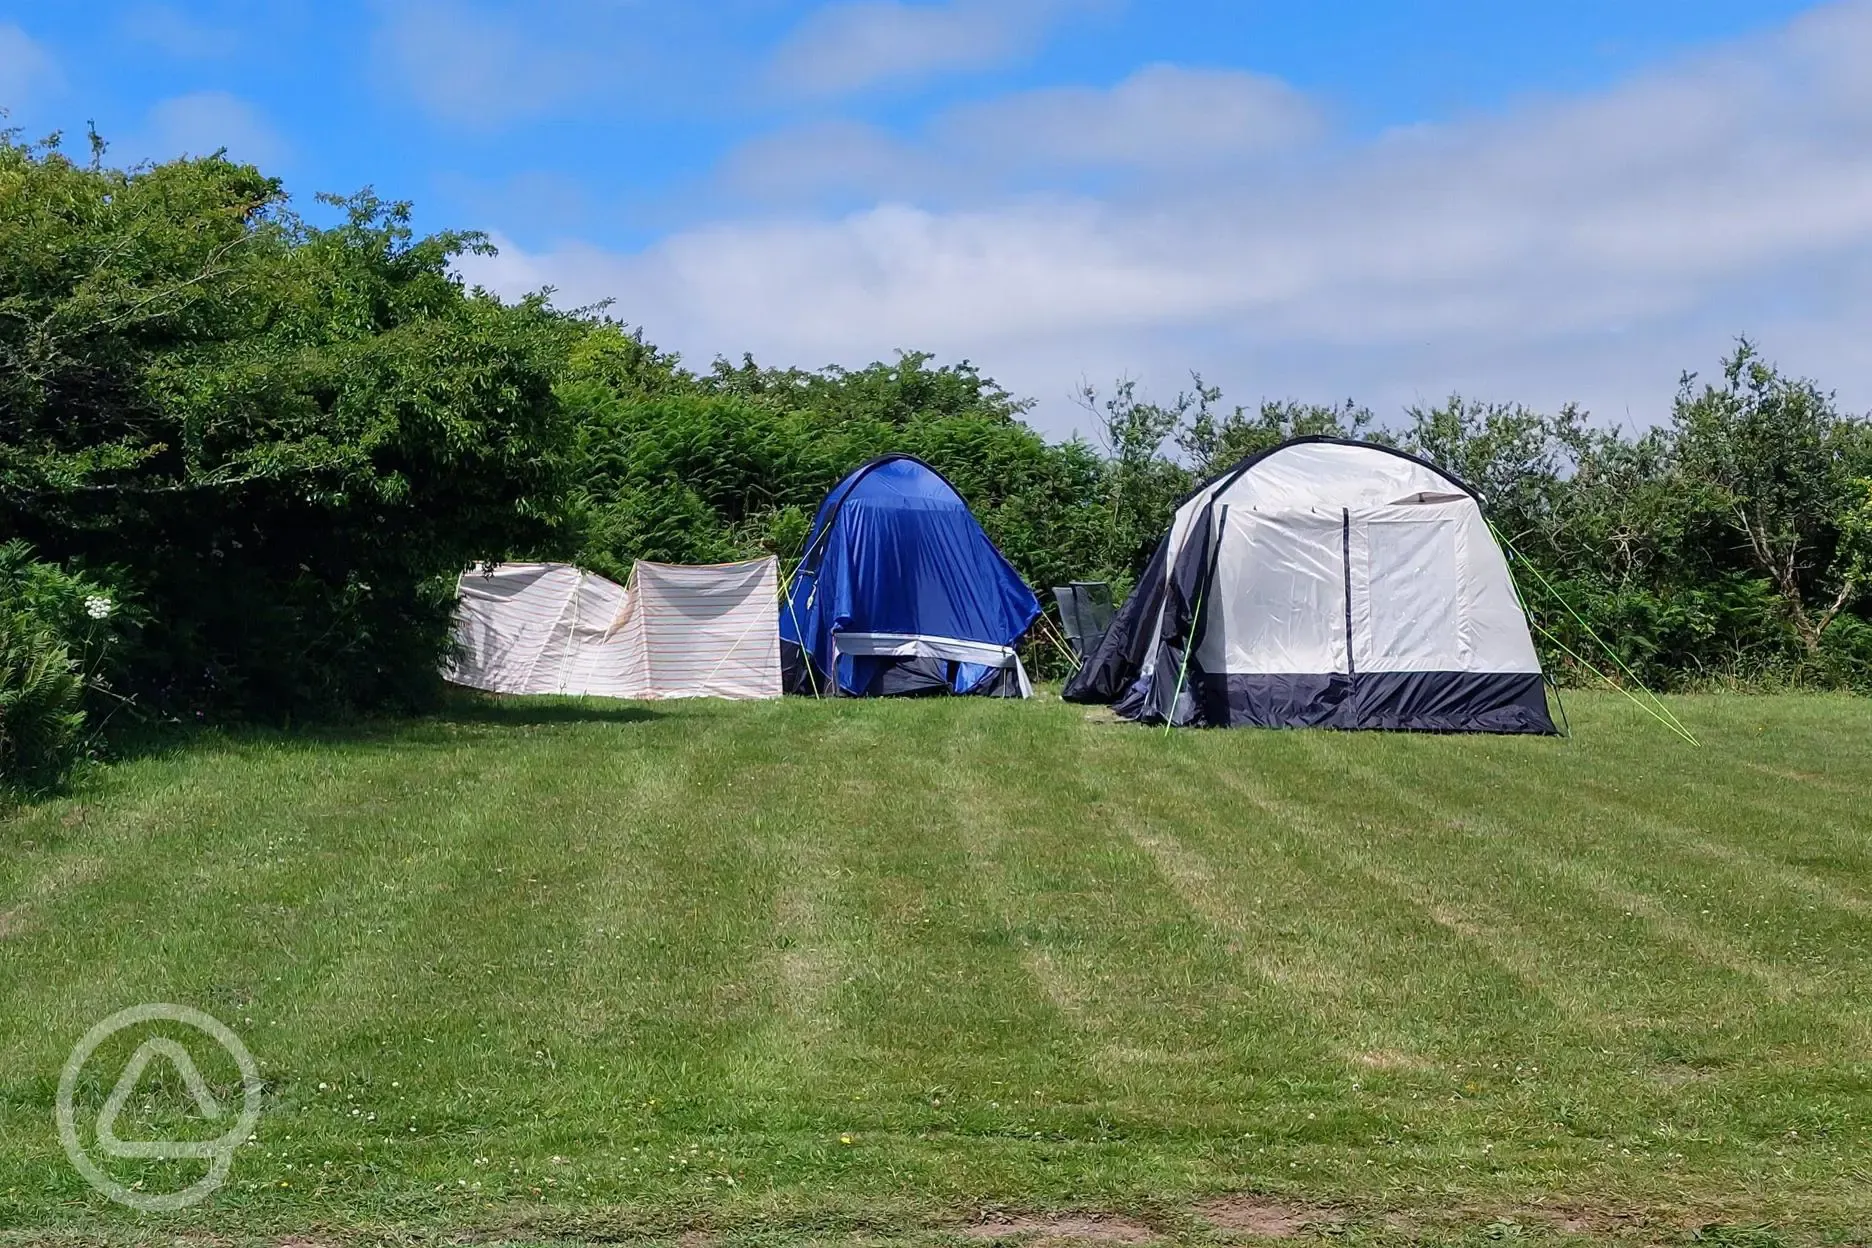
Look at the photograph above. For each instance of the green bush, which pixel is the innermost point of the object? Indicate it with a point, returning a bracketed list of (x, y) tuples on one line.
[(734, 464), (41, 705), (302, 433), (57, 631)]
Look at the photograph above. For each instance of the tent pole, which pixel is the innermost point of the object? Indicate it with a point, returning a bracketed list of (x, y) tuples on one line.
[(786, 596), (1218, 530), (1189, 645), (1047, 631)]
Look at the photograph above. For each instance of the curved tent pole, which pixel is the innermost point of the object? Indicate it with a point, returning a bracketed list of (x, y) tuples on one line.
[(1234, 472)]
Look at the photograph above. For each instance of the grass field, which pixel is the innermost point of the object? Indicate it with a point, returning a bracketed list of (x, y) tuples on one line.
[(850, 971)]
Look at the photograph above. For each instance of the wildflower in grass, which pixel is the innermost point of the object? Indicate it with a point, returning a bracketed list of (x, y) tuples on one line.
[(98, 607)]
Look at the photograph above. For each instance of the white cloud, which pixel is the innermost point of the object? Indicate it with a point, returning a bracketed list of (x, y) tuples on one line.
[(171, 31), (206, 121), (853, 46), (479, 67), (490, 63), (837, 159), (1584, 248), (1163, 119), (25, 67), (493, 63), (493, 66)]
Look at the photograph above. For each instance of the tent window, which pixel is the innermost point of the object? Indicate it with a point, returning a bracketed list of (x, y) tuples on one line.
[(1278, 595), (1414, 588)]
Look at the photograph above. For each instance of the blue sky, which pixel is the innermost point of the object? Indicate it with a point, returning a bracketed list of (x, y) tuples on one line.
[(1386, 200)]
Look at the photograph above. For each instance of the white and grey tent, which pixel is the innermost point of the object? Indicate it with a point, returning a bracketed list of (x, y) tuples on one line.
[(1325, 583), (672, 632)]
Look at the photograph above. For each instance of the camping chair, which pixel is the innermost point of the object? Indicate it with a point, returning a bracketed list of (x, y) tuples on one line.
[(1085, 609)]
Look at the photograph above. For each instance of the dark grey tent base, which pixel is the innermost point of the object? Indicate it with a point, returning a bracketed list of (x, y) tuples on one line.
[(919, 676), (908, 677), (1504, 702)]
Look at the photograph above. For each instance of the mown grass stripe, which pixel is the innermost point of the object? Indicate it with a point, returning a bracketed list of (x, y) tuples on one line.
[(605, 959)]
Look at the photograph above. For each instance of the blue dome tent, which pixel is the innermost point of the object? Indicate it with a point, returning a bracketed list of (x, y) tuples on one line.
[(900, 592)]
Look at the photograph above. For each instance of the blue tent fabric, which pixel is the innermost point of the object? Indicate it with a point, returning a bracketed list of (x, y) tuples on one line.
[(902, 592)]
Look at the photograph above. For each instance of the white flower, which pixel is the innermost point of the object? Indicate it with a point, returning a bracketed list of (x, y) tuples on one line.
[(98, 607)]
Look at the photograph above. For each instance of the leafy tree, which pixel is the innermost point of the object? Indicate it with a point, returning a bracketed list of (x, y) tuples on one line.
[(1141, 487), (1212, 443), (1518, 459), (892, 393), (733, 463), (291, 437), (1789, 470)]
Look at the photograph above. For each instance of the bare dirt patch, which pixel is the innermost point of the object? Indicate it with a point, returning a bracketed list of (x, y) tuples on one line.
[(1082, 1228), (1585, 1220), (1255, 1215)]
